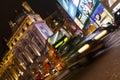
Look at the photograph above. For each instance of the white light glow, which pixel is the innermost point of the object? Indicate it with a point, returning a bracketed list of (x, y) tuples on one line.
[(84, 48), (103, 33)]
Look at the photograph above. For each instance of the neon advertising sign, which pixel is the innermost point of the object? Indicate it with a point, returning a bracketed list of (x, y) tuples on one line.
[(78, 10)]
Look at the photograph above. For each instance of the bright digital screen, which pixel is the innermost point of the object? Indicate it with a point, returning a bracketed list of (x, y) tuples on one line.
[(89, 27), (44, 30), (76, 2), (81, 17), (101, 16), (86, 6), (85, 9), (69, 7), (78, 10)]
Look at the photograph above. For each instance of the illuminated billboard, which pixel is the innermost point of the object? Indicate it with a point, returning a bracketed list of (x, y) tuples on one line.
[(69, 7), (79, 10), (42, 30), (86, 6), (101, 16)]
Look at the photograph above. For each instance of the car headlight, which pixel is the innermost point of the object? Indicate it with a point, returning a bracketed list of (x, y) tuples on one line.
[(84, 48), (104, 32)]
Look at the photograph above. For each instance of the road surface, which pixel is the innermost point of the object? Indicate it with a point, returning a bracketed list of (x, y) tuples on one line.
[(105, 66)]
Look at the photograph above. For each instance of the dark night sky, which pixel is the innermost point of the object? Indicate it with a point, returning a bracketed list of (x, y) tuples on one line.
[(8, 7)]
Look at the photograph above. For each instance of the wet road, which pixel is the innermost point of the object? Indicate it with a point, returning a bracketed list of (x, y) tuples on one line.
[(106, 66)]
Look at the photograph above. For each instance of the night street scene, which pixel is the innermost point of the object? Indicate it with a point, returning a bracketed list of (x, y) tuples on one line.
[(60, 40)]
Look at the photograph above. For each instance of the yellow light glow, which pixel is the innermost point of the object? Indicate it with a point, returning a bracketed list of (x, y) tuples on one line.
[(85, 47), (30, 59), (56, 46), (25, 28), (20, 34), (56, 23), (59, 67), (104, 32), (10, 47), (22, 64), (66, 39), (37, 52), (61, 42)]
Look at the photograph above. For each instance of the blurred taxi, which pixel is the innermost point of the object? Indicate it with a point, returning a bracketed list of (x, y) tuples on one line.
[(78, 47)]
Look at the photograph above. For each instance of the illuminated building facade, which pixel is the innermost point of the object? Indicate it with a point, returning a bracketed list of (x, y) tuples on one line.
[(26, 49), (27, 46)]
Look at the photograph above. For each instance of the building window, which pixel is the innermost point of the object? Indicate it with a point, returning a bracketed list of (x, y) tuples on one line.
[(31, 35), (25, 59), (24, 43), (12, 44), (27, 56), (35, 19), (27, 25), (36, 50), (15, 40), (37, 43), (22, 56), (30, 51), (23, 30)]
